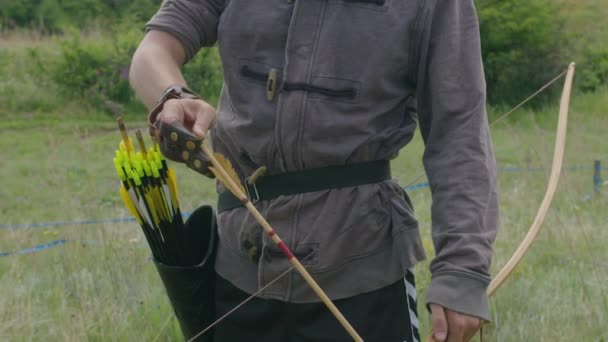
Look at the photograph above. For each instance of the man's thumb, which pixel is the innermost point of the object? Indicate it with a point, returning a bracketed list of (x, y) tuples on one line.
[(203, 122), (439, 322)]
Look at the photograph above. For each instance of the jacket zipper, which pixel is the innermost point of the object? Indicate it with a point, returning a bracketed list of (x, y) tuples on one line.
[(286, 86), (246, 72), (416, 42), (277, 128), (375, 2)]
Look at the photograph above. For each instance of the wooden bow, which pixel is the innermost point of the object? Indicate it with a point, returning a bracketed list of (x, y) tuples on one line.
[(556, 168)]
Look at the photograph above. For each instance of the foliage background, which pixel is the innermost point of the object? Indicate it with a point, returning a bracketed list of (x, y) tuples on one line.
[(524, 43)]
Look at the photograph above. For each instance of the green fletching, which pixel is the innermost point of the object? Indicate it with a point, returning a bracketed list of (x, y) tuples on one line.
[(119, 170), (119, 156), (155, 173), (138, 167), (159, 160), (136, 179), (150, 158), (147, 169), (126, 164)]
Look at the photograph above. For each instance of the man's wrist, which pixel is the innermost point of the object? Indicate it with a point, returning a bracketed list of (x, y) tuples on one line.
[(462, 293), (175, 91)]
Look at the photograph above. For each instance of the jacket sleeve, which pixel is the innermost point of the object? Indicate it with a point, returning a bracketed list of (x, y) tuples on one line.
[(193, 22), (458, 157)]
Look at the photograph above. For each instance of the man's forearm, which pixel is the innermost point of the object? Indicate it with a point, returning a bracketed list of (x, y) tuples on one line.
[(156, 66)]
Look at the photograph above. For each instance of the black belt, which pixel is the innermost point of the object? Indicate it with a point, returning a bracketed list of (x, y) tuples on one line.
[(324, 178)]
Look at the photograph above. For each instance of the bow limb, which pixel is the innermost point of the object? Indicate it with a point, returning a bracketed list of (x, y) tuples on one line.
[(556, 168)]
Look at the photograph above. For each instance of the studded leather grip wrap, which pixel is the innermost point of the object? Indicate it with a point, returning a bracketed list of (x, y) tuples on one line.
[(179, 145)]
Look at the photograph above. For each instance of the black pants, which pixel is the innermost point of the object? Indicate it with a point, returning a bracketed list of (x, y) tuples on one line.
[(385, 315)]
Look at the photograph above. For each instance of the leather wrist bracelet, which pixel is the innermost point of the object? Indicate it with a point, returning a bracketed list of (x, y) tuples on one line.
[(175, 91)]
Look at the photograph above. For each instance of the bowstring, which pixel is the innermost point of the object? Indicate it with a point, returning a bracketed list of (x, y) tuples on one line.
[(526, 100), (537, 154), (535, 151), (501, 118), (164, 326), (250, 297), (509, 112), (557, 216), (291, 268)]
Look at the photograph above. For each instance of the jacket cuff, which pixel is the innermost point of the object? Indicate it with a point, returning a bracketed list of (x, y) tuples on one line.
[(461, 293)]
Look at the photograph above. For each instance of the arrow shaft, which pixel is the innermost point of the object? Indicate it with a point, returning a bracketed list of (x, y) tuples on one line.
[(235, 189)]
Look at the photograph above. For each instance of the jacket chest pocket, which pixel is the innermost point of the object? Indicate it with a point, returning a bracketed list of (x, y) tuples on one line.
[(320, 87)]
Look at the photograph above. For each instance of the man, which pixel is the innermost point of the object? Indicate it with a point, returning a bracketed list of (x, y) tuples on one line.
[(328, 85)]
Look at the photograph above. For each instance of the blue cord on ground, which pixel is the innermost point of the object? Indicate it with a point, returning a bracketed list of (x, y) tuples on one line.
[(597, 180)]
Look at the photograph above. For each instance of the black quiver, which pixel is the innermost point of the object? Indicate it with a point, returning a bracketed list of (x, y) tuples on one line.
[(191, 288)]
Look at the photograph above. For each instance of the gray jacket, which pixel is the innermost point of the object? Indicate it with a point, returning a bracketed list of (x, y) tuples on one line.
[(351, 76)]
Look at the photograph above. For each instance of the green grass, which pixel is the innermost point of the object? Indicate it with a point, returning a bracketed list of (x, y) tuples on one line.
[(57, 167), (584, 20), (105, 290), (61, 170)]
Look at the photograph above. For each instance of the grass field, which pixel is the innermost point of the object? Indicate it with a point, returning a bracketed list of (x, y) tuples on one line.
[(100, 285)]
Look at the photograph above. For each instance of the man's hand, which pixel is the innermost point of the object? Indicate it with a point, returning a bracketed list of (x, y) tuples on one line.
[(195, 115), (452, 326)]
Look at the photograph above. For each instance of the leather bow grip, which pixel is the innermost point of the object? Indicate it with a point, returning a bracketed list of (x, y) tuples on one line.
[(179, 145)]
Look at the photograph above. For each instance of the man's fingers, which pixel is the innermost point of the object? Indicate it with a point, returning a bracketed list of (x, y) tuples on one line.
[(196, 115), (463, 326), (439, 323), (471, 327), (203, 121)]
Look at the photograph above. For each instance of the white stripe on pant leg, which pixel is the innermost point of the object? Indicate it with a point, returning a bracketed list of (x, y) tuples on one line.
[(414, 319), (410, 291), (409, 288)]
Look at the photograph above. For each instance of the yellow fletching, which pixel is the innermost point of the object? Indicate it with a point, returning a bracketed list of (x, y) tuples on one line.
[(227, 166), (172, 187), (152, 205), (219, 177), (130, 205), (161, 203)]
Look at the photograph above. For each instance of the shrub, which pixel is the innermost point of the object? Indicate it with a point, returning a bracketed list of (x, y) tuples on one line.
[(593, 71), (96, 71), (204, 75), (18, 13), (54, 16), (521, 42), (93, 70)]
